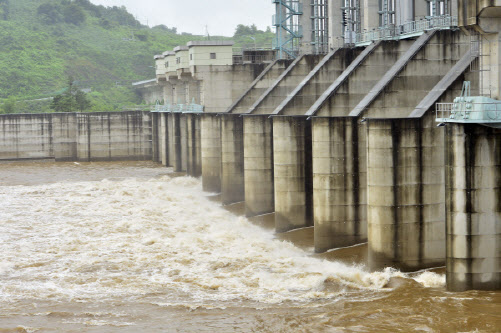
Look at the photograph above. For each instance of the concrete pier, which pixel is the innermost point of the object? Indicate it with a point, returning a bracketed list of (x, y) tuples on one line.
[(163, 139), (232, 159), (211, 152), (155, 140), (183, 141), (170, 135), (292, 173), (194, 158), (339, 182), (405, 194), (473, 200), (175, 148), (258, 166)]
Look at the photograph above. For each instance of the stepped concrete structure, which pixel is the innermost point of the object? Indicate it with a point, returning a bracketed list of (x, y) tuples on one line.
[(379, 122)]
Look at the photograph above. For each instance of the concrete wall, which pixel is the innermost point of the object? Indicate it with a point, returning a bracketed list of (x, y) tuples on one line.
[(222, 85), (285, 84), (170, 63), (473, 179), (293, 176), (405, 193), (232, 159), (317, 81), (245, 102), (335, 25), (363, 78), (201, 55), (160, 66), (339, 182), (194, 158), (258, 166), (421, 73), (182, 57), (103, 136), (211, 152), (151, 92)]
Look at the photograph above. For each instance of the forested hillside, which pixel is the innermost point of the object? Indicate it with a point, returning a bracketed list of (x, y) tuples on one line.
[(44, 42)]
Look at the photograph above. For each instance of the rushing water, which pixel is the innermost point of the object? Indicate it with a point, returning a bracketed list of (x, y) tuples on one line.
[(125, 247)]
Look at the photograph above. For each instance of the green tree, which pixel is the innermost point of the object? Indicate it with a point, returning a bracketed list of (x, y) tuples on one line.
[(70, 100), (142, 35), (62, 103), (49, 13), (242, 30), (73, 14), (4, 9), (81, 101), (9, 105)]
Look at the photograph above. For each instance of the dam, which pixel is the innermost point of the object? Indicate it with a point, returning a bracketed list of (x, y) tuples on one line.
[(373, 125), (345, 137)]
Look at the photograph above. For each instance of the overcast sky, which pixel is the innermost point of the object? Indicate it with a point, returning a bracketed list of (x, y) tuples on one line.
[(220, 16)]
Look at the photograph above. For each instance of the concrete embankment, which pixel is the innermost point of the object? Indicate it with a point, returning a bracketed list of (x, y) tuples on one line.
[(101, 136)]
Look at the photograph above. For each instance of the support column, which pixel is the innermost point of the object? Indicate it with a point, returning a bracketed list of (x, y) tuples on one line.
[(155, 137), (232, 159), (258, 166), (194, 167), (164, 139), (171, 139), (473, 178), (197, 144), (293, 173), (211, 152), (194, 91), (174, 144), (406, 191), (183, 142), (339, 183)]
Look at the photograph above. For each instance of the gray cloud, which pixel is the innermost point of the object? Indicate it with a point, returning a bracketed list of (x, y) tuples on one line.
[(220, 16)]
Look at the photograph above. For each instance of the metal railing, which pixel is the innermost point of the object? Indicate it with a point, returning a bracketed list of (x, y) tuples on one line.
[(252, 47), (406, 29), (465, 112), (178, 108)]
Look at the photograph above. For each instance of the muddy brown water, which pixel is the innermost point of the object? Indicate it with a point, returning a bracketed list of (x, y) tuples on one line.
[(125, 247)]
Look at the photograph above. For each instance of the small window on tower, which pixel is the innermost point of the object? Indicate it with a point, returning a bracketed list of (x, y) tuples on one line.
[(213, 56), (191, 56)]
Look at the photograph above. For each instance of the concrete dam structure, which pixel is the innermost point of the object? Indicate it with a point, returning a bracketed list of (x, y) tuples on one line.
[(339, 132), (100, 136)]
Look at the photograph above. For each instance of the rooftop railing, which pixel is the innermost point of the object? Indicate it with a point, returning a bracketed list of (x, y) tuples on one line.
[(405, 30), (178, 108), (468, 112)]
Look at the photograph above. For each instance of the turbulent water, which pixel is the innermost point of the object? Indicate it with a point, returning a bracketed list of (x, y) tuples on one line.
[(125, 247)]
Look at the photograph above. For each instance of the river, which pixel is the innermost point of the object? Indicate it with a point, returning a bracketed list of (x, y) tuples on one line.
[(131, 247)]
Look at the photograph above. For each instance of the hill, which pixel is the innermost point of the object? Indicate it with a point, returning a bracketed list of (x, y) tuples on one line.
[(104, 49)]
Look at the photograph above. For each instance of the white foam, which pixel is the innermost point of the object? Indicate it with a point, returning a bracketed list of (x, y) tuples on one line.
[(431, 280), (107, 239)]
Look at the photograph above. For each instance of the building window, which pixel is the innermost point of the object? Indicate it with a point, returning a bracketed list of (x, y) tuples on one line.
[(191, 56), (166, 64), (213, 56), (435, 7), (178, 60), (386, 12)]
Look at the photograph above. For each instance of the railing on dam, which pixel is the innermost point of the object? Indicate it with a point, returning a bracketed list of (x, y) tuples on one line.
[(486, 112), (406, 30), (178, 108)]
